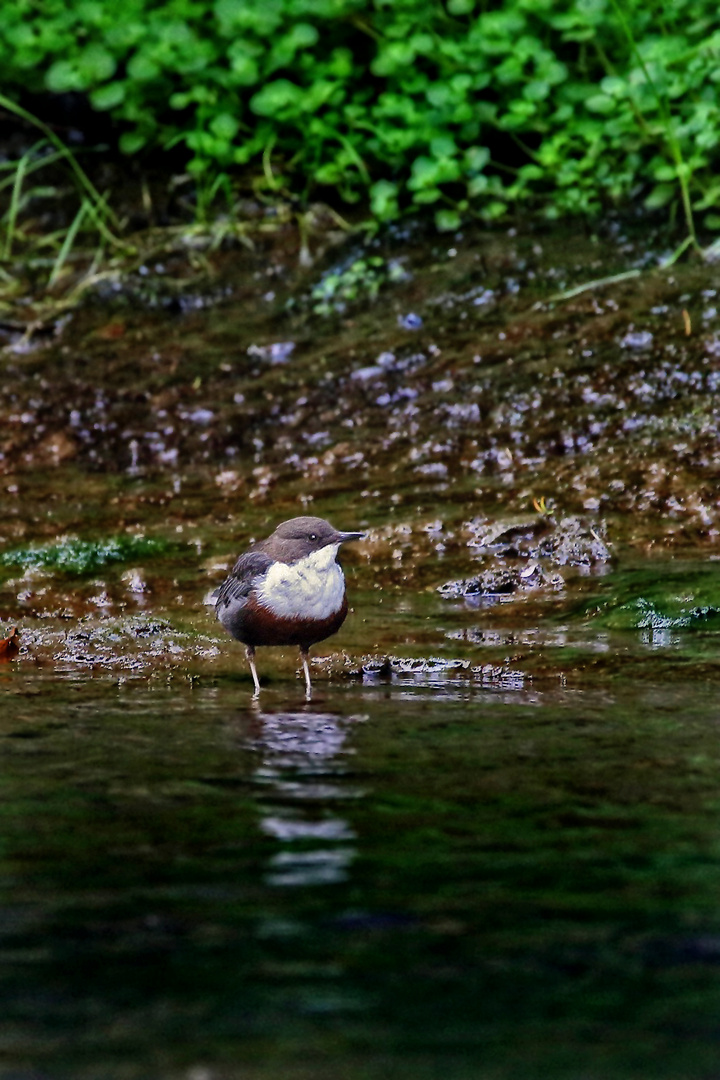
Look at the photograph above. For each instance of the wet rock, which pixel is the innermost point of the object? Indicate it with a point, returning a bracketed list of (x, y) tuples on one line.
[(229, 480), (637, 339), (199, 416), (278, 352), (134, 581), (131, 644), (155, 291), (431, 665), (391, 667), (367, 374), (500, 536), (571, 541), (500, 675), (149, 629), (506, 581), (576, 542)]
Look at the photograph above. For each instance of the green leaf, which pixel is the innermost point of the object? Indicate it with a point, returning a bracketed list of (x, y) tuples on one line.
[(424, 173), (447, 220), (132, 141), (661, 195), (478, 185), (536, 90), (63, 77), (477, 157), (494, 210), (96, 64), (614, 86), (600, 103), (384, 199), (276, 97), (428, 195), (142, 68), (440, 95), (245, 69), (393, 57), (108, 97), (303, 36), (443, 146), (224, 126)]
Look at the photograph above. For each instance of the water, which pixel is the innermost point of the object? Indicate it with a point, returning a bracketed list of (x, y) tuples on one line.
[(423, 877)]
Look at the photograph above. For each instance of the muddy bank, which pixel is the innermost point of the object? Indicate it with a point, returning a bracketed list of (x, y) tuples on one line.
[(460, 383)]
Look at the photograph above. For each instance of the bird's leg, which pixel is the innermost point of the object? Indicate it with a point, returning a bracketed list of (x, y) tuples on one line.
[(306, 672), (250, 653)]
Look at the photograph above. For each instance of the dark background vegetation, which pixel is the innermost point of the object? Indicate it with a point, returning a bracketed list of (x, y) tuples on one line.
[(464, 107)]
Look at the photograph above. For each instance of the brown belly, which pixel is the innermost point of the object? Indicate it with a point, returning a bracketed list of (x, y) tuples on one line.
[(255, 625)]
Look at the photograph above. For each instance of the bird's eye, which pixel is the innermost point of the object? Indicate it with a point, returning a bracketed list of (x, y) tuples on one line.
[(313, 536)]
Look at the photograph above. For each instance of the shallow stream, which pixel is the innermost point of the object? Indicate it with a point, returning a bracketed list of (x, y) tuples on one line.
[(489, 846)]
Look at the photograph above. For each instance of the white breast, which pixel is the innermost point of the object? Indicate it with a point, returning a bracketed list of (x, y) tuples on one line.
[(312, 588)]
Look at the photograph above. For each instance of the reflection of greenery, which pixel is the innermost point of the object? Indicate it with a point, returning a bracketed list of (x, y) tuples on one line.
[(75, 556), (448, 105), (362, 279), (639, 599)]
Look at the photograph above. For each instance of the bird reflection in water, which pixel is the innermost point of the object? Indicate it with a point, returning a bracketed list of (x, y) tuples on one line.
[(303, 767)]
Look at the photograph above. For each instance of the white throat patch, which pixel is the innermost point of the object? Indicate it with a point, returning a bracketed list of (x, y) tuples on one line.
[(312, 588)]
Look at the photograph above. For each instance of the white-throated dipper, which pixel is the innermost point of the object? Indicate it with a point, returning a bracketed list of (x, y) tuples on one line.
[(287, 590)]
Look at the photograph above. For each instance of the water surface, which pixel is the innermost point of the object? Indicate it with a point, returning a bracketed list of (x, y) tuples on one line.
[(423, 876)]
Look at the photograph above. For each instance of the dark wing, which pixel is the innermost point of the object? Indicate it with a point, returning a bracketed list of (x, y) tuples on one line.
[(239, 583)]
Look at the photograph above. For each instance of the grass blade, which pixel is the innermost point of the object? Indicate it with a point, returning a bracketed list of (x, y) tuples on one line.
[(598, 283), (14, 205), (82, 177), (67, 243)]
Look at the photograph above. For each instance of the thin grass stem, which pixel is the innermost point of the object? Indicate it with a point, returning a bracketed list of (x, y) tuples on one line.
[(67, 243), (598, 283), (679, 250), (681, 167), (14, 206), (82, 177), (94, 212)]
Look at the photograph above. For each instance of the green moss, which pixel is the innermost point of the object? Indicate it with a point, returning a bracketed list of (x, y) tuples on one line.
[(73, 556), (361, 280), (642, 600)]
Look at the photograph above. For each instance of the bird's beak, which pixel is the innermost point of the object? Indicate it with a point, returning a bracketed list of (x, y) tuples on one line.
[(344, 537)]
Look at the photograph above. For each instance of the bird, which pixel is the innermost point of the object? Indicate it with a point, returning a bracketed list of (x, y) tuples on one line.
[(287, 590)]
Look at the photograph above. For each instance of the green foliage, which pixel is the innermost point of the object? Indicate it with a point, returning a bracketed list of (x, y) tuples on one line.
[(73, 556), (571, 105)]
